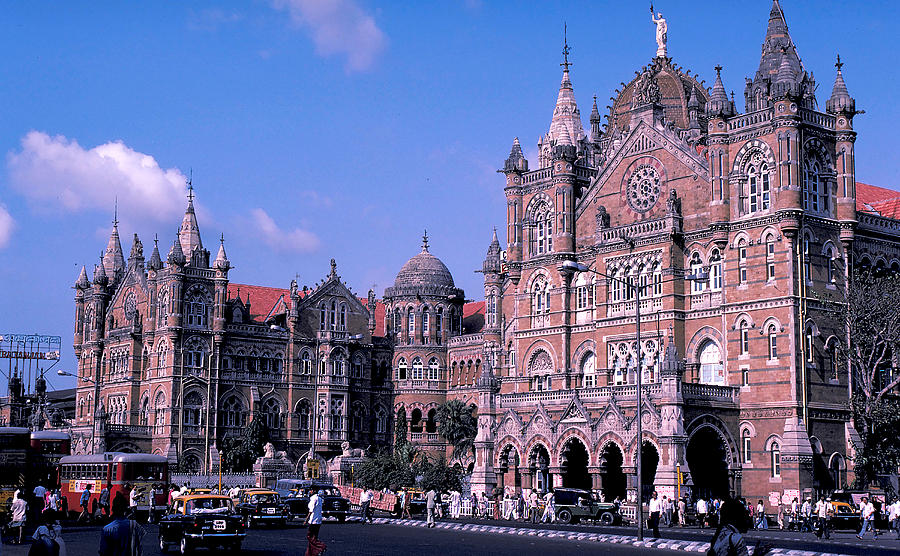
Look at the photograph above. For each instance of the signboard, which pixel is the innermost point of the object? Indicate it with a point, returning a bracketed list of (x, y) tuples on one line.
[(665, 490), (312, 468), (789, 495), (30, 346), (79, 485)]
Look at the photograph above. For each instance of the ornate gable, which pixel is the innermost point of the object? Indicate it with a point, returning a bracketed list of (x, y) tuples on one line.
[(612, 417), (540, 422), (575, 411), (511, 424)]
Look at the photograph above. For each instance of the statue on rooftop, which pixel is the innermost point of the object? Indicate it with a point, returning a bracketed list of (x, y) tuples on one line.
[(661, 32)]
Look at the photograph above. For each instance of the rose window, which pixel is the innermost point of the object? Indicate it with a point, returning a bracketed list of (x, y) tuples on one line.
[(643, 188)]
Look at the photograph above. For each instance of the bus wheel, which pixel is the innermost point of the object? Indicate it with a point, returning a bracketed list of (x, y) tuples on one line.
[(185, 547)]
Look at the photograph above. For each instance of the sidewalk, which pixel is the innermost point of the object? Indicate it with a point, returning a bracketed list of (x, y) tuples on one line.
[(662, 544)]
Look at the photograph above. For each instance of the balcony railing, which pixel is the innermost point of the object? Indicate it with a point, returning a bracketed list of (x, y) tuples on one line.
[(710, 392), (137, 430), (621, 392)]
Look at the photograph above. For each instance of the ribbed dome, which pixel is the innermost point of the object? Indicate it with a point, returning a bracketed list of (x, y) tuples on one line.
[(424, 269)]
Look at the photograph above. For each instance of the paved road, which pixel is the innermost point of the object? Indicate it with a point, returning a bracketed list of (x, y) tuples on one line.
[(355, 538)]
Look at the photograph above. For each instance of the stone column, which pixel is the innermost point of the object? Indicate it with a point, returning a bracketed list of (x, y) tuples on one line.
[(596, 473)]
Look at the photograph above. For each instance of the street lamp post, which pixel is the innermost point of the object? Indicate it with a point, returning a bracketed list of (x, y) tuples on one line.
[(576, 266)]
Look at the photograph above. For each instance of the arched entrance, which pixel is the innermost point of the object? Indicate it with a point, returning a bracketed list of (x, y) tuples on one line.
[(649, 463), (509, 473), (539, 464), (707, 458), (574, 463), (613, 476)]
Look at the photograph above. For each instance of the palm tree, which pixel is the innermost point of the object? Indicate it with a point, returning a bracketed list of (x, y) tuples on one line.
[(458, 426)]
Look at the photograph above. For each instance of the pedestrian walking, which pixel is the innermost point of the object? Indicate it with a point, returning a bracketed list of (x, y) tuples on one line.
[(19, 510), (121, 536), (655, 509), (682, 508), (761, 521), (822, 510), (314, 546), (894, 514), (806, 511), (780, 515), (365, 502), (429, 507), (667, 505), (104, 501), (521, 506), (455, 504), (867, 513), (533, 505), (549, 507), (702, 508), (404, 504), (85, 502), (40, 501), (728, 539), (496, 512), (48, 534)]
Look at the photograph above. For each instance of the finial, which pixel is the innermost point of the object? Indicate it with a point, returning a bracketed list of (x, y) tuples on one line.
[(425, 241), (155, 239), (718, 69), (566, 49), (839, 64), (190, 184), (116, 212), (333, 267), (222, 238)]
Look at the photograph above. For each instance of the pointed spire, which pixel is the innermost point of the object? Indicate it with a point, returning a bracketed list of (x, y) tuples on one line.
[(176, 255), (492, 258), (114, 259), (777, 46), (516, 161), (718, 104), (155, 259), (595, 113), (425, 242), (189, 233), (82, 283), (100, 277), (137, 251), (566, 115), (840, 100), (693, 102), (222, 262)]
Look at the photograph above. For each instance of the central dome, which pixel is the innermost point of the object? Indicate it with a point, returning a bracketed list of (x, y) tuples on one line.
[(424, 270)]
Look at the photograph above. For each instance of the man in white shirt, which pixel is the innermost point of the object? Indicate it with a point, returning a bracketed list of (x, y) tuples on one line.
[(895, 516), (702, 508), (549, 508), (762, 521), (867, 513), (822, 510), (655, 509), (806, 511), (314, 518), (682, 508), (365, 500)]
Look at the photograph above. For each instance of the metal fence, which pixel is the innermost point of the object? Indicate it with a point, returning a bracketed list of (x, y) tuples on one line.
[(202, 480)]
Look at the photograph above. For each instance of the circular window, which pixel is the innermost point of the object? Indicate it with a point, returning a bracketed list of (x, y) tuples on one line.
[(643, 188)]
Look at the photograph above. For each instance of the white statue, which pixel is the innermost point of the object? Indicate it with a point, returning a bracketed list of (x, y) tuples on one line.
[(269, 450), (661, 32)]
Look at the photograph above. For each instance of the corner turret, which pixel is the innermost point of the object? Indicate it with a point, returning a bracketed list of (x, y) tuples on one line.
[(155, 260), (840, 101)]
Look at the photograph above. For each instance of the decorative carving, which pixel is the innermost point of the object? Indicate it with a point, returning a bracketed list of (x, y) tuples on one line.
[(643, 188), (646, 90), (602, 217), (673, 204)]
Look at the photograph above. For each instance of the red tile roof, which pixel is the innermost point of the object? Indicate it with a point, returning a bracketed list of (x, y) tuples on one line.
[(880, 200), (473, 317)]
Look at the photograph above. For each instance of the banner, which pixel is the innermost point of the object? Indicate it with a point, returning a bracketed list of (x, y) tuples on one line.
[(79, 485)]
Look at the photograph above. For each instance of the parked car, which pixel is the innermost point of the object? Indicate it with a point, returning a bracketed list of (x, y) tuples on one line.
[(261, 505), (574, 505), (295, 494), (201, 520)]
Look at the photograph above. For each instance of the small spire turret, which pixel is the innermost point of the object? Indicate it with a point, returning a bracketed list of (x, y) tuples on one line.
[(516, 161), (100, 277), (718, 104), (82, 283), (222, 262), (840, 100), (176, 255), (155, 259), (491, 262)]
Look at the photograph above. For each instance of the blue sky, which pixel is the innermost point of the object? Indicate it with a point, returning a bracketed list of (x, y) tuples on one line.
[(338, 129)]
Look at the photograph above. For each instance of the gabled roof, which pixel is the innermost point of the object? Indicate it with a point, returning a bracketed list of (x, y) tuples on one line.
[(473, 317), (878, 200)]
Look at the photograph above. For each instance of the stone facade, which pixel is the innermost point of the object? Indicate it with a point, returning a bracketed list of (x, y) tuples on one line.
[(727, 232)]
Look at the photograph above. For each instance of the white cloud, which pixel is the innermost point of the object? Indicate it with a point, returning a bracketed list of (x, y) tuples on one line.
[(56, 172), (296, 240), (316, 199), (6, 226), (338, 27)]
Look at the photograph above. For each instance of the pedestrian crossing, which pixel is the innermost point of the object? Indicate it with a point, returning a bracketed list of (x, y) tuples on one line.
[(662, 544)]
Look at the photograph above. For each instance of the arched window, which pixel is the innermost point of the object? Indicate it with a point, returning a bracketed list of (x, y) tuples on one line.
[(323, 317), (338, 364), (744, 338), (162, 307), (332, 315), (161, 353), (770, 257), (807, 263), (742, 261), (775, 459), (356, 370), (417, 369), (434, 372), (398, 323), (589, 370), (196, 306), (380, 420), (305, 363), (772, 334), (431, 422), (194, 356), (712, 371), (233, 414), (337, 414), (425, 325), (758, 181), (144, 415), (411, 324), (271, 414), (697, 286), (831, 253), (401, 369), (745, 445), (540, 298), (657, 279), (304, 414), (415, 421), (357, 418), (715, 271), (193, 403), (541, 232), (159, 413), (809, 344), (342, 321)]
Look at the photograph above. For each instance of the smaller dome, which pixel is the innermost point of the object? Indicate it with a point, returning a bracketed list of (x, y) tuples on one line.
[(424, 270)]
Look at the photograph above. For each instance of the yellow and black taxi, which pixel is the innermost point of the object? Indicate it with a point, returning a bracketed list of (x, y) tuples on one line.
[(206, 520), (261, 505)]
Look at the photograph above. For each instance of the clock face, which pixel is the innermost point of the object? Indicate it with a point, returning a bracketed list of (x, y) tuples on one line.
[(644, 186)]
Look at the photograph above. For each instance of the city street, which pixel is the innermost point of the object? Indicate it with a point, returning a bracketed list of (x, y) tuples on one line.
[(389, 538)]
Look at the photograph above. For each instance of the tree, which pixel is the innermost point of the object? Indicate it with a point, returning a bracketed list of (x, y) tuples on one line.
[(872, 320), (390, 469), (400, 430), (458, 427), (439, 476), (239, 453)]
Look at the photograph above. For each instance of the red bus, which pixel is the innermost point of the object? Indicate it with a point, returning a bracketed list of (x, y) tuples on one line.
[(47, 447), (114, 470)]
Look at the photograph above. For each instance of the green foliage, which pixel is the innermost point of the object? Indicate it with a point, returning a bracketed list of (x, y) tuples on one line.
[(879, 453), (400, 428), (389, 469), (239, 453), (441, 477), (458, 426)]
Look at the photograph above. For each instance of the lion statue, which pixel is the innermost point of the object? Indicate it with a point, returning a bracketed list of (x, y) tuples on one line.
[(346, 451)]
